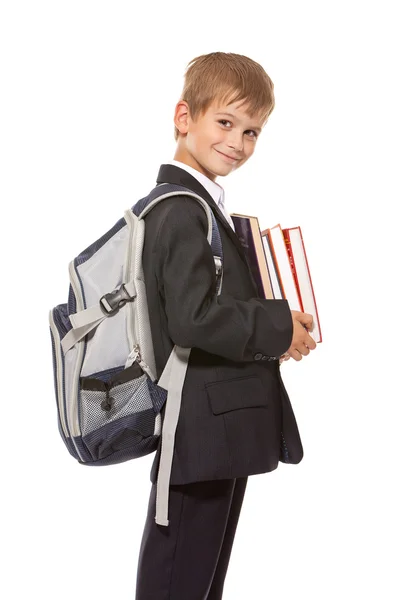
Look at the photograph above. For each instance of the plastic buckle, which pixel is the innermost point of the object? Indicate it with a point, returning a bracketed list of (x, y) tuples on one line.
[(115, 300)]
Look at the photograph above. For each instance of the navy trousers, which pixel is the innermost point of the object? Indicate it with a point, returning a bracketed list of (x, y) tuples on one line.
[(188, 559)]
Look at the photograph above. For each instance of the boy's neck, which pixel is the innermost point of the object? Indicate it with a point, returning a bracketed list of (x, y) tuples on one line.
[(183, 156)]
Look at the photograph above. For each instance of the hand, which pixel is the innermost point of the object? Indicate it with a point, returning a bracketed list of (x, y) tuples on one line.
[(302, 342)]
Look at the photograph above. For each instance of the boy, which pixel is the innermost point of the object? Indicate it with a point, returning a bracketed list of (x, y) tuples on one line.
[(236, 418)]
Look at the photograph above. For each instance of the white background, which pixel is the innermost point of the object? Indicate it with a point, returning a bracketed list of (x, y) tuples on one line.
[(88, 94)]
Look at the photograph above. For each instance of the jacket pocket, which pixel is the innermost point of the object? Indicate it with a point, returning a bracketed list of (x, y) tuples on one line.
[(245, 392)]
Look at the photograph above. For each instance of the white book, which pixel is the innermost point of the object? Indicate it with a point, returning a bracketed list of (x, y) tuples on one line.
[(282, 261)]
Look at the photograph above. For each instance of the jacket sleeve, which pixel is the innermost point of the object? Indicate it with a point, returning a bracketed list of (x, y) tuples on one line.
[(197, 318)]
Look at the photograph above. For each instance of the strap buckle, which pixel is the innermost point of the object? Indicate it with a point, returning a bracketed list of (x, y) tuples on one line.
[(218, 264), (111, 303)]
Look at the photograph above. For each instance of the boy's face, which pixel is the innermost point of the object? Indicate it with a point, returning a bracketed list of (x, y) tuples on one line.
[(219, 141)]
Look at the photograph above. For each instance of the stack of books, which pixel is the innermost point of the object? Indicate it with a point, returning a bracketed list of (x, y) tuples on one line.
[(278, 262)]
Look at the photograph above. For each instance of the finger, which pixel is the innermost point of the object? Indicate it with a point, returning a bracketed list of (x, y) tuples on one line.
[(295, 354), (298, 356), (307, 324), (312, 345), (310, 342), (310, 322)]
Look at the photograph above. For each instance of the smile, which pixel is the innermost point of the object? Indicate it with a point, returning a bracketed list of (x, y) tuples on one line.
[(228, 158)]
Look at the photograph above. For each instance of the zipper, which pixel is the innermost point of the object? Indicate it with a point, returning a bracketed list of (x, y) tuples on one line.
[(72, 417), (136, 356), (59, 369), (128, 276)]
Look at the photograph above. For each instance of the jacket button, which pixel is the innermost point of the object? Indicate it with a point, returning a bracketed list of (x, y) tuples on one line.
[(258, 356)]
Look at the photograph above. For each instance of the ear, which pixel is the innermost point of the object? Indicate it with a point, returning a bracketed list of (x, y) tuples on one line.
[(181, 117)]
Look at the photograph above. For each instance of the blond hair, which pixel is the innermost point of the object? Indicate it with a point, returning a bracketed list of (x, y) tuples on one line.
[(220, 77)]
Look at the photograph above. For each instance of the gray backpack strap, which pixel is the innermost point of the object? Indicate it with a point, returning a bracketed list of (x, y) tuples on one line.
[(173, 376), (172, 380)]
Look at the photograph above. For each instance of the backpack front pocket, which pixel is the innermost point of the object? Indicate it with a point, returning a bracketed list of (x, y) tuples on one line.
[(116, 414)]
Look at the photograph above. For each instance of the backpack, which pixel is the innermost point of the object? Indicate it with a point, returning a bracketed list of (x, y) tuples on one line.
[(107, 394)]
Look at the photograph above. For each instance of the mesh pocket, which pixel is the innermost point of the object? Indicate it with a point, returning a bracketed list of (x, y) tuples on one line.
[(103, 402)]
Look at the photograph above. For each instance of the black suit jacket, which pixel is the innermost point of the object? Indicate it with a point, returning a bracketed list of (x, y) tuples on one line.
[(236, 418)]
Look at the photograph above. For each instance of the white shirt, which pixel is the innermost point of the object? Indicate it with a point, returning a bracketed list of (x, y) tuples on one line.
[(214, 189)]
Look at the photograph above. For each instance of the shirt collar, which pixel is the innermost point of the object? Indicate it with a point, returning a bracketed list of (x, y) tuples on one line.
[(214, 189)]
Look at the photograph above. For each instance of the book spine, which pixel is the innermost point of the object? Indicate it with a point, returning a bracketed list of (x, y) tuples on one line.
[(245, 235), (286, 237), (265, 236), (262, 260), (275, 260)]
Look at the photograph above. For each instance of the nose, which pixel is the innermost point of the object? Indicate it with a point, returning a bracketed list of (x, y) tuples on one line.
[(236, 142)]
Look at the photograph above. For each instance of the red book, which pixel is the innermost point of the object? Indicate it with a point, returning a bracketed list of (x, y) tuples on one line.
[(283, 268), (301, 272), (286, 237)]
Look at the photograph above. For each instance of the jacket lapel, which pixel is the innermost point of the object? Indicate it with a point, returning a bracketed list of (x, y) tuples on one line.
[(177, 176)]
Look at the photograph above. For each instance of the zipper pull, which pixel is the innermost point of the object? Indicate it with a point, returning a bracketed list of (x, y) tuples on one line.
[(132, 356), (136, 356), (109, 401)]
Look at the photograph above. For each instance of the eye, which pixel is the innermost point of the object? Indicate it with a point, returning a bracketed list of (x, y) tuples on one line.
[(251, 131), (223, 121)]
